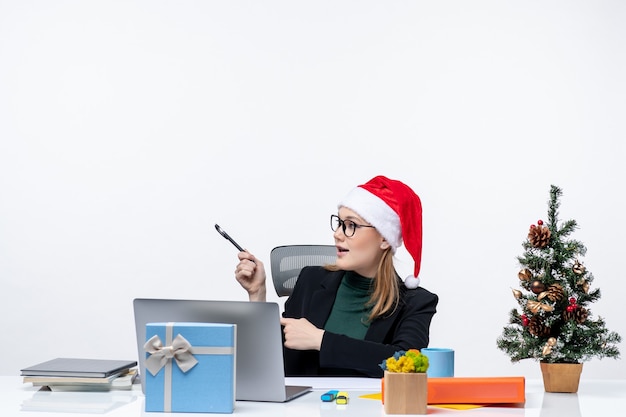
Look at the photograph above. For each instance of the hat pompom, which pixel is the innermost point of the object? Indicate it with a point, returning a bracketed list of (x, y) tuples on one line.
[(411, 282)]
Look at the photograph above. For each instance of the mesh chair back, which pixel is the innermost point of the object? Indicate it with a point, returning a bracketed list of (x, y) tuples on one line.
[(287, 261)]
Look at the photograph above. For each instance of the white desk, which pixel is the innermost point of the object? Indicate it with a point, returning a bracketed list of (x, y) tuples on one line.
[(595, 398)]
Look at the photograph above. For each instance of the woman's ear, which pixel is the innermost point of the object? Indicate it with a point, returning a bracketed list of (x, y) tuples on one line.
[(384, 244)]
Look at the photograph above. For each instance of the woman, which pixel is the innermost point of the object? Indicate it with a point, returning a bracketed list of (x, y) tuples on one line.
[(345, 319)]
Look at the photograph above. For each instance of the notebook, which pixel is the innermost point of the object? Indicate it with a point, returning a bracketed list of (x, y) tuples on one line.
[(260, 374), (79, 367)]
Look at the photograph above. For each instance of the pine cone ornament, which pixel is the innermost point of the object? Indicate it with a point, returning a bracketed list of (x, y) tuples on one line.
[(539, 236), (578, 314), (554, 293), (536, 327)]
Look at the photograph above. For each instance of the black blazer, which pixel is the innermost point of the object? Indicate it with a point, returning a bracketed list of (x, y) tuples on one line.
[(405, 328)]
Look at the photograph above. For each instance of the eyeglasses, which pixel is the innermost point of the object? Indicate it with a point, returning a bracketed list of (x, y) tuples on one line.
[(348, 226)]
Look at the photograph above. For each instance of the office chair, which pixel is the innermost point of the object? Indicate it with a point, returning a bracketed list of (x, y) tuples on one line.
[(287, 261)]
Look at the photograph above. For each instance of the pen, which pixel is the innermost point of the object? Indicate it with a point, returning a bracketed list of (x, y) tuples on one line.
[(227, 237)]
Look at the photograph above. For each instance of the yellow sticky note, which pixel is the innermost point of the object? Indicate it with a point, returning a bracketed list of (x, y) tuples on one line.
[(379, 396), (376, 396), (458, 406)]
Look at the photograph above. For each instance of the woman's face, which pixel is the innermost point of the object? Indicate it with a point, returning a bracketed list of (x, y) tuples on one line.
[(362, 252)]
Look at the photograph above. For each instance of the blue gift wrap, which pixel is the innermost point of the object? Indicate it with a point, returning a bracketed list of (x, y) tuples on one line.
[(190, 367)]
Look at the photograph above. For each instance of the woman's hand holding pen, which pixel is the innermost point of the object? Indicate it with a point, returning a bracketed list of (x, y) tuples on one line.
[(250, 273)]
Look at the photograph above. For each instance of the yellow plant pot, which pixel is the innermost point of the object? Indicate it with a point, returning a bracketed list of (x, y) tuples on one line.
[(405, 393), (561, 377)]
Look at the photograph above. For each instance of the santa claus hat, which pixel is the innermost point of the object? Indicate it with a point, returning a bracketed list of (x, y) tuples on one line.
[(395, 211)]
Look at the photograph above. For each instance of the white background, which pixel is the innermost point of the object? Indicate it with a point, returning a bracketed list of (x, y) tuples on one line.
[(128, 128)]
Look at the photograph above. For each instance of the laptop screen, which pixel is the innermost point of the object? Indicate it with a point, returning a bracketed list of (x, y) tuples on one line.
[(260, 374)]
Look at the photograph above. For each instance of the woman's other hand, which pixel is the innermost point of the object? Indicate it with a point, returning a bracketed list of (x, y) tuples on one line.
[(300, 334)]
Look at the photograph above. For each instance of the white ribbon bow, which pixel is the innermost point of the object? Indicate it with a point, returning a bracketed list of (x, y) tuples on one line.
[(180, 351)]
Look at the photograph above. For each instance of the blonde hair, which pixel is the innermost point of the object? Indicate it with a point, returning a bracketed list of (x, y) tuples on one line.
[(386, 293)]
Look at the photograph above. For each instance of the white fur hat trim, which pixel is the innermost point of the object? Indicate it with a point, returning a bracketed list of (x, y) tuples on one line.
[(377, 213)]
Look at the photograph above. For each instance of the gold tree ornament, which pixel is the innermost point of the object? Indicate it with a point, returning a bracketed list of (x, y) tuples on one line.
[(535, 306), (549, 345), (578, 268), (516, 293), (584, 284), (539, 235), (525, 275)]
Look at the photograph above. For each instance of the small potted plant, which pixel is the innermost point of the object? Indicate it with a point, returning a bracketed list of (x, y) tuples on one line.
[(405, 383)]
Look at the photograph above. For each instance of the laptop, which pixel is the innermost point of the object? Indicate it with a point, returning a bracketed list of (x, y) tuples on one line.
[(260, 372)]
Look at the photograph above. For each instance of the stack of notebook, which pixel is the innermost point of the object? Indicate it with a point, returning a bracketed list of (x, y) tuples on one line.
[(74, 374)]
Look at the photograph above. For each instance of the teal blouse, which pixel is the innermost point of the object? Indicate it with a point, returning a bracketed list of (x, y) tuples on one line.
[(351, 310)]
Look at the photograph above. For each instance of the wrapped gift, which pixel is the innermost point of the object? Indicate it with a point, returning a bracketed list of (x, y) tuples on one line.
[(190, 367)]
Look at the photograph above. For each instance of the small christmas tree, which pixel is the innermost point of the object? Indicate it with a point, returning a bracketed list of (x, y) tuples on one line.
[(555, 324)]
